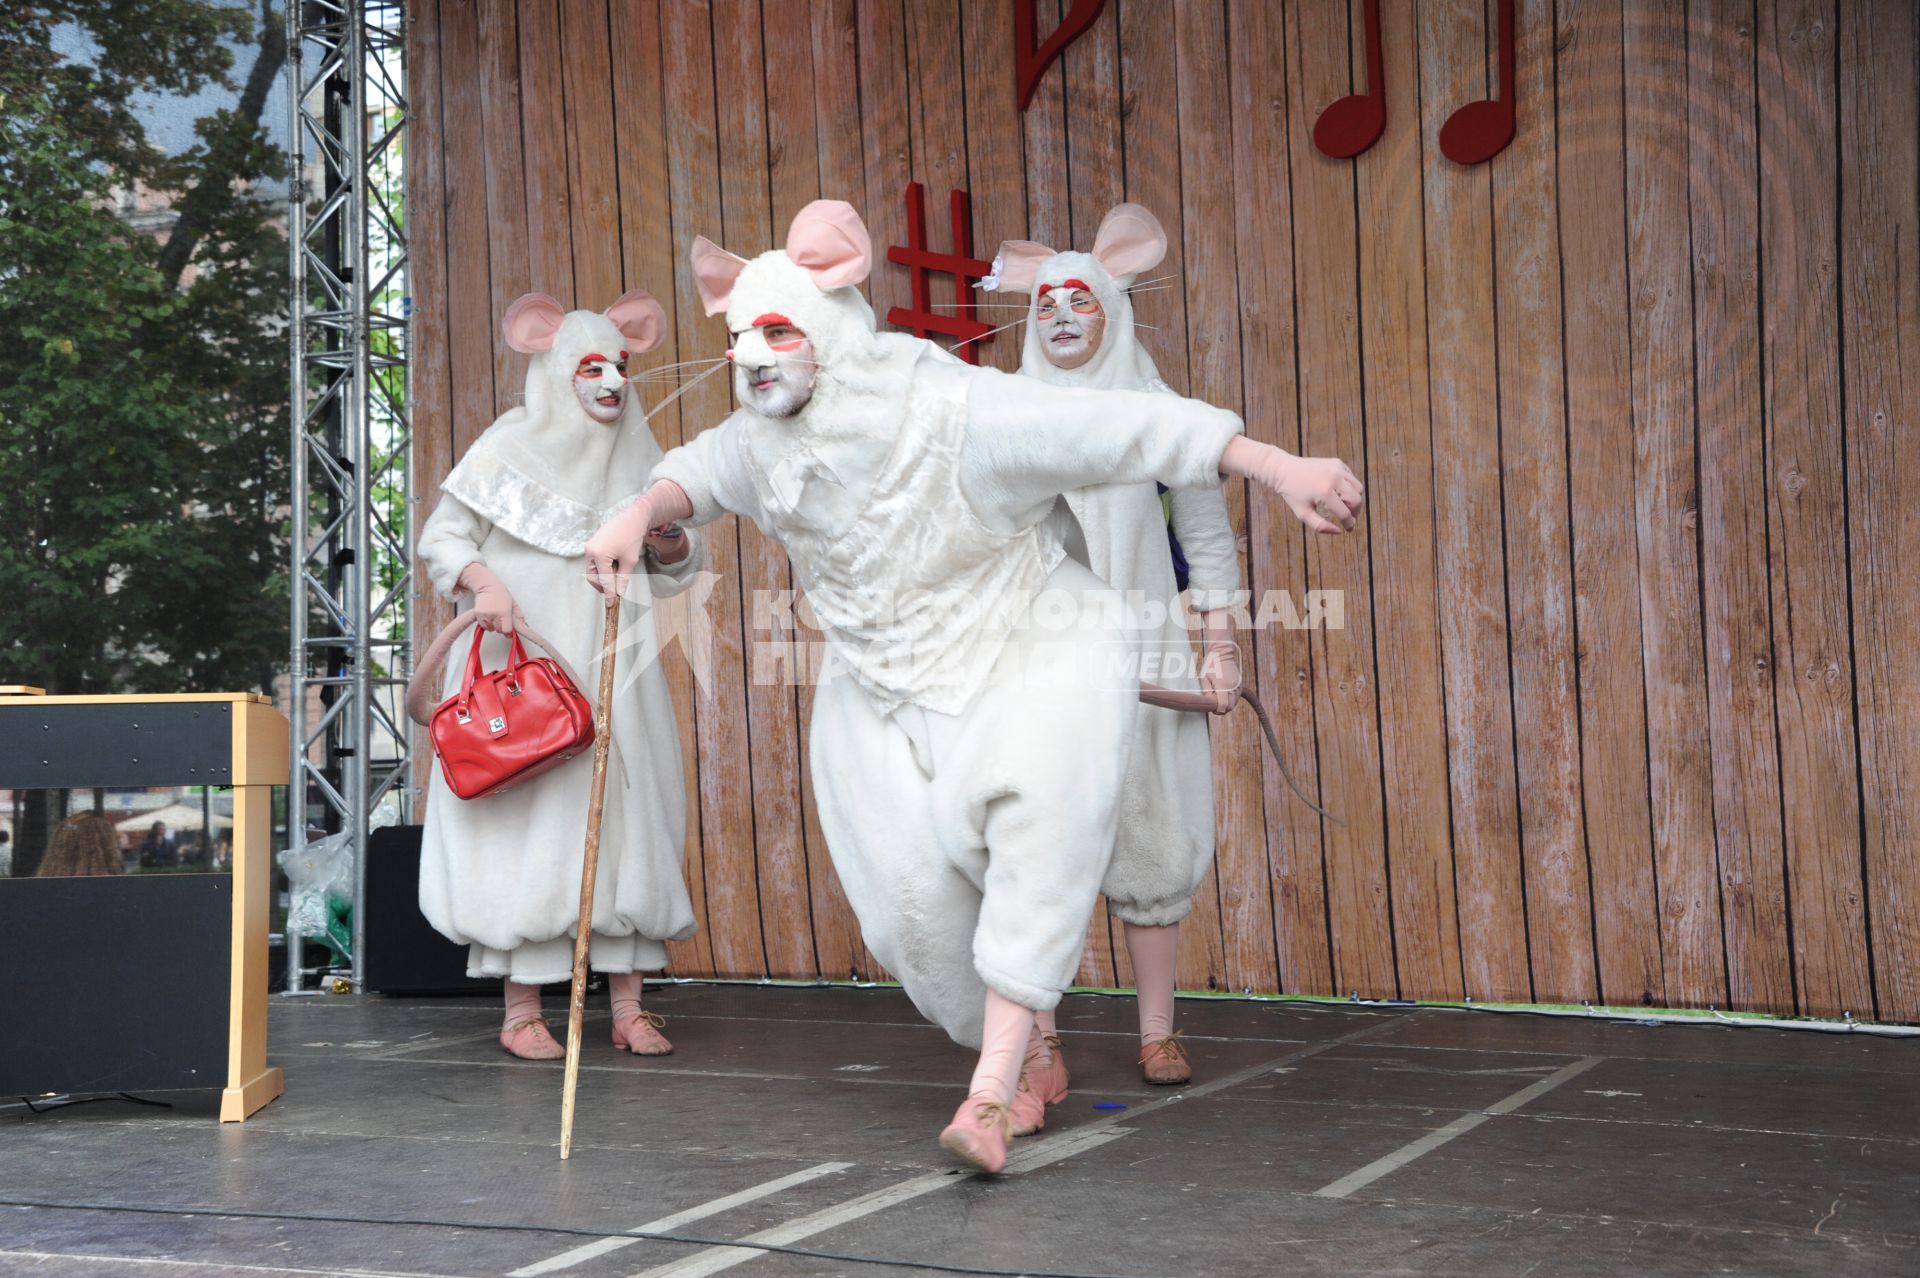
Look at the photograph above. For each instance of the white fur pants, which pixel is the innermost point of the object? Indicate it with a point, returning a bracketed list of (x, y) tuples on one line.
[(972, 846)]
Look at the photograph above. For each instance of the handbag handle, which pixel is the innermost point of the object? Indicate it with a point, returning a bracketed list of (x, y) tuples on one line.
[(516, 655), (423, 690)]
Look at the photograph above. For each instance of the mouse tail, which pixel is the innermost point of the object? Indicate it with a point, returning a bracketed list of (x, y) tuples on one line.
[(1273, 744)]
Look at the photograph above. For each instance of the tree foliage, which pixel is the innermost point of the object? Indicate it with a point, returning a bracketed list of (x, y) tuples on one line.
[(143, 428), (153, 46)]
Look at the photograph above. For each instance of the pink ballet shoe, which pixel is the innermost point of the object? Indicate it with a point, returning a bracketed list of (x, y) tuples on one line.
[(979, 1133), (1039, 1087), (1164, 1063), (641, 1034), (530, 1040), (1028, 1113)]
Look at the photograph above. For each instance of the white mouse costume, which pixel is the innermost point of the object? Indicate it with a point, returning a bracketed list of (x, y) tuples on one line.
[(1119, 530), (968, 758), (502, 874), (969, 753)]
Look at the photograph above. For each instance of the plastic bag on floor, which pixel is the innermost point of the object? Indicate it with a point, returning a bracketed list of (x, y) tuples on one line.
[(320, 891)]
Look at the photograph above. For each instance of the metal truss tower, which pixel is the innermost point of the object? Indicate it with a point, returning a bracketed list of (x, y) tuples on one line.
[(351, 570)]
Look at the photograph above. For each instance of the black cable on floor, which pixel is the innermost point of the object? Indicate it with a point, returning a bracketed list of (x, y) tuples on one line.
[(598, 1235), (89, 1100)]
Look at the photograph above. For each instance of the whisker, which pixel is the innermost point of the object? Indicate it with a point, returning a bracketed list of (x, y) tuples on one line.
[(989, 333), (985, 306), (683, 363), (663, 369), (670, 378), (684, 389), (1157, 288), (1157, 279)]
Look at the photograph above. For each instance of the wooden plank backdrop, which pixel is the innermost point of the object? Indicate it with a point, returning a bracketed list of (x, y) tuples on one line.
[(1622, 705)]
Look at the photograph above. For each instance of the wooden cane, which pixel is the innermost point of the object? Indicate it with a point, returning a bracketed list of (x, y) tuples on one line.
[(589, 866)]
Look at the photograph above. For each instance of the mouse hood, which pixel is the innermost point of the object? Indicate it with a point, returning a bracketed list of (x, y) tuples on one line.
[(1130, 241), (546, 472), (862, 377)]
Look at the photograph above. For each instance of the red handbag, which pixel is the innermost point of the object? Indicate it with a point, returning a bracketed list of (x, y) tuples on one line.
[(510, 725)]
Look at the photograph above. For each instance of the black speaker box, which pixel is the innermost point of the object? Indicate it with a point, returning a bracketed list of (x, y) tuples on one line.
[(404, 954)]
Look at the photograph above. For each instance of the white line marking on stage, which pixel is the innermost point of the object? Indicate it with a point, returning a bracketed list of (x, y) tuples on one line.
[(220, 1266), (1065, 1145), (405, 1049), (1460, 1126), (715, 1259), (1027, 1156), (634, 1069), (1074, 1030), (862, 1080), (587, 1251)]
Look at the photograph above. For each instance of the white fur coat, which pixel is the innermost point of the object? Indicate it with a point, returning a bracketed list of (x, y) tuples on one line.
[(502, 874), (1166, 836)]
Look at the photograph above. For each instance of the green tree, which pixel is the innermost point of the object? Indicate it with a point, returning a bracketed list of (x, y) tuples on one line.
[(152, 46), (143, 425), (143, 420)]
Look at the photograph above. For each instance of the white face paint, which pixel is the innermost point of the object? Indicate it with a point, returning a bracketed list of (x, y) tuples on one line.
[(600, 383), (1072, 325), (773, 367)]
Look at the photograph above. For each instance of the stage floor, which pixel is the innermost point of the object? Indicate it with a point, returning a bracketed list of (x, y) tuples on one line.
[(1315, 1140)]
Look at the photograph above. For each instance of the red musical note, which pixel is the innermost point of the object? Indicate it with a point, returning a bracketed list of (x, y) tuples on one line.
[(1481, 130), (1029, 63), (1355, 122)]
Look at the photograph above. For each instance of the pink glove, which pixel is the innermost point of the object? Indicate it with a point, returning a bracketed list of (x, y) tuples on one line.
[(490, 598), (614, 551), (1220, 661), (1322, 493)]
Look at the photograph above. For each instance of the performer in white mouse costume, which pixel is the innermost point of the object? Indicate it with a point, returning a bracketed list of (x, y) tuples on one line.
[(1080, 333), (501, 874), (970, 751)]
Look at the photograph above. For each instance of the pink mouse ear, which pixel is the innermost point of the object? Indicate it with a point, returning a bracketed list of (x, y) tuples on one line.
[(715, 270), (828, 239), (1017, 265), (639, 318), (1131, 240), (531, 322)]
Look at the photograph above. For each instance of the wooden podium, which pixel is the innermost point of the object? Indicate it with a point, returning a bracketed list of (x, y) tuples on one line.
[(89, 1008)]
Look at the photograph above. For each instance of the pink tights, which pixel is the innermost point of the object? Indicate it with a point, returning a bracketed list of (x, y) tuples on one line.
[(1039, 1051), (625, 989), (523, 1004), (523, 1001), (1153, 951), (1016, 1037), (1003, 1045)]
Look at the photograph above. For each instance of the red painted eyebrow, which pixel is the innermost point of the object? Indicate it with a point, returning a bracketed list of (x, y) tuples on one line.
[(595, 356), (773, 317), (1079, 284)]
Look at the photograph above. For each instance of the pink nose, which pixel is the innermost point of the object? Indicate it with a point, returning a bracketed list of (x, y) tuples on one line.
[(729, 357)]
